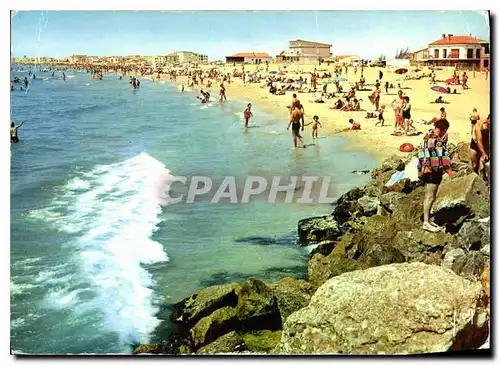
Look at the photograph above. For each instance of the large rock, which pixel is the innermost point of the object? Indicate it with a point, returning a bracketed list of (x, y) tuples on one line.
[(471, 265), (381, 254), (376, 186), (189, 311), (458, 197), (410, 248), (391, 309), (219, 322), (369, 204), (408, 211), (388, 201), (257, 306), (147, 349), (262, 341), (317, 229), (292, 295), (321, 268), (452, 256), (462, 152), (473, 235), (230, 342)]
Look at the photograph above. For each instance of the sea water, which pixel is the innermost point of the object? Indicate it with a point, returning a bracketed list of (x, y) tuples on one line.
[(96, 262)]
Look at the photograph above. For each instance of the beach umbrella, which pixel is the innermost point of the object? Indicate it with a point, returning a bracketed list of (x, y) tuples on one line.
[(401, 71), (328, 81), (440, 89)]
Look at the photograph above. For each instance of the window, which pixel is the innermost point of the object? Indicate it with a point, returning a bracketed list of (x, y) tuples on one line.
[(478, 53), (436, 53), (486, 63), (470, 53), (455, 53), (445, 51)]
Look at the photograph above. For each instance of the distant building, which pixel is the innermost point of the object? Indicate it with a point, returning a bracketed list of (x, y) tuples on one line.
[(300, 51), (188, 57), (347, 59), (419, 56), (249, 57), (459, 51)]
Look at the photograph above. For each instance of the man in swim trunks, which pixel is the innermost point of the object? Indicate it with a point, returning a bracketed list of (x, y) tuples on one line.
[(296, 117), (480, 146), (13, 132)]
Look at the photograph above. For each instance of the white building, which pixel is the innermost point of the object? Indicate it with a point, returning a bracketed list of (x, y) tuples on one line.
[(188, 57), (249, 57), (465, 51), (300, 51)]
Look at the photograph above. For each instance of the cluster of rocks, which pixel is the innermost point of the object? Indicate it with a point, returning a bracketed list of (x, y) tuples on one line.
[(377, 283)]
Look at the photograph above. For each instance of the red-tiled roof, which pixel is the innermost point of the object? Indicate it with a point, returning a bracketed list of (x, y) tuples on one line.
[(251, 54), (458, 39), (341, 57)]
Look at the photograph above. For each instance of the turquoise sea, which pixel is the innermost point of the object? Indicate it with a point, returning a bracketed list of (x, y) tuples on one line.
[(96, 262)]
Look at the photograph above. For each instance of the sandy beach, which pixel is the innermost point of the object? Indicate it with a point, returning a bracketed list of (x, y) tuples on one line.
[(375, 140)]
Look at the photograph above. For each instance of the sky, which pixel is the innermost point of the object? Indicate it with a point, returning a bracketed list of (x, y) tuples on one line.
[(367, 34)]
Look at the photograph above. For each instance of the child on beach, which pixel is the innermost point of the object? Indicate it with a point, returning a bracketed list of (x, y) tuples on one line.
[(354, 125), (315, 124), (247, 114), (381, 116)]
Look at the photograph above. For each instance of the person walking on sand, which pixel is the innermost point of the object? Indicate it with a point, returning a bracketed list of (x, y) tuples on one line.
[(247, 114), (464, 81), (296, 117), (375, 97), (315, 123), (433, 163), (381, 116)]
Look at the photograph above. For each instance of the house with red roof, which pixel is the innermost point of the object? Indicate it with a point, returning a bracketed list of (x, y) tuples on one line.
[(249, 57), (459, 51)]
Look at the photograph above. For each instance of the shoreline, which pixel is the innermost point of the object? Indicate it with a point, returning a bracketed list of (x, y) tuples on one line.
[(376, 141)]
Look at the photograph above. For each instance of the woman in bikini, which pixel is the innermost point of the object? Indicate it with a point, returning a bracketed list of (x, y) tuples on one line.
[(406, 114)]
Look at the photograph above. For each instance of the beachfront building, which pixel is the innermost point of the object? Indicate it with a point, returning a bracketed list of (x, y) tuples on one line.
[(249, 57), (460, 51), (191, 57), (419, 56), (300, 51), (348, 59)]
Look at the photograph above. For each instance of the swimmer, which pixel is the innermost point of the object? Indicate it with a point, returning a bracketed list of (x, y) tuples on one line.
[(13, 132)]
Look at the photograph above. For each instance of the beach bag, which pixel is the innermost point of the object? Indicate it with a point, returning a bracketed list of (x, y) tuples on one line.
[(433, 156)]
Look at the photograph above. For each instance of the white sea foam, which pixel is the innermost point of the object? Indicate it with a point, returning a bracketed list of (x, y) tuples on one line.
[(115, 209), (70, 76)]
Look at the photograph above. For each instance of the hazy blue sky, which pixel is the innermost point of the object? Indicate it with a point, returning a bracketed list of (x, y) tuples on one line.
[(219, 33)]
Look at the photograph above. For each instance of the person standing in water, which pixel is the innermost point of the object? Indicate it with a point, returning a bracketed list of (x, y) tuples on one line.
[(13, 132), (222, 93), (315, 123), (64, 76), (296, 117), (25, 81), (247, 114)]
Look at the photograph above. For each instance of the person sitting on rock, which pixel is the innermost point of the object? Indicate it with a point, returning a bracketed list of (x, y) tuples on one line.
[(433, 163)]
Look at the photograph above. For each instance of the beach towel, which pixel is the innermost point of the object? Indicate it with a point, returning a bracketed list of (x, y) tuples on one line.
[(395, 178), (433, 155)]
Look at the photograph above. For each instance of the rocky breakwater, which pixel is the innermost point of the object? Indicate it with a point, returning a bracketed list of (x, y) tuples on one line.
[(378, 282)]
